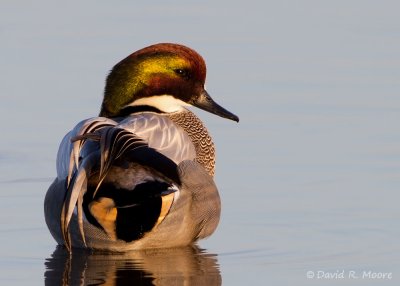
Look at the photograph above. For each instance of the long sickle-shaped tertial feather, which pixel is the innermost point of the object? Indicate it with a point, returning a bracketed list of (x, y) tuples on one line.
[(114, 142), (89, 126), (74, 195)]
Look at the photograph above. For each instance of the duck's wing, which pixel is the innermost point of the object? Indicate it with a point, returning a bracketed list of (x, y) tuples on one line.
[(206, 204), (114, 169)]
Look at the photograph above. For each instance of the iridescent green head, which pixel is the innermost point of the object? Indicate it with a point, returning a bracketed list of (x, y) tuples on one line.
[(163, 76)]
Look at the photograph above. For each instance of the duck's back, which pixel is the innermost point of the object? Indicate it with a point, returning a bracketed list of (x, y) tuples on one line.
[(157, 130), (162, 134)]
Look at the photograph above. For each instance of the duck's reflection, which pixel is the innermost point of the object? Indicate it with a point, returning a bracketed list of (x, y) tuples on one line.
[(182, 266)]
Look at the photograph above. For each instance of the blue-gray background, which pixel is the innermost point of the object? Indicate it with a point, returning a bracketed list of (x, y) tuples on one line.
[(309, 178)]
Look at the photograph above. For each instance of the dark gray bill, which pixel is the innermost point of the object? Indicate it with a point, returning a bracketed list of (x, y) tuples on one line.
[(205, 102)]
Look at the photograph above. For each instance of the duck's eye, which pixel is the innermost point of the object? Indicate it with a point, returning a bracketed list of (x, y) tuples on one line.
[(184, 73)]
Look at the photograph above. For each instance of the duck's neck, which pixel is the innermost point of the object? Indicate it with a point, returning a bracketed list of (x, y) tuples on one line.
[(200, 137)]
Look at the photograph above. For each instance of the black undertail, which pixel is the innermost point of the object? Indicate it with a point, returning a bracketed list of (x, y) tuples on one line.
[(137, 210)]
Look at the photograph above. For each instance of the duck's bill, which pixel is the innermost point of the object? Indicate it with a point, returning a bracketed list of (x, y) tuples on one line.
[(205, 102)]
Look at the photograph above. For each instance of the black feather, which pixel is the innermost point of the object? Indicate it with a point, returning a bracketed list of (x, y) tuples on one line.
[(151, 158)]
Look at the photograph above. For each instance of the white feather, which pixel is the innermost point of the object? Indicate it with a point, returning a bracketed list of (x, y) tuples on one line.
[(165, 103)]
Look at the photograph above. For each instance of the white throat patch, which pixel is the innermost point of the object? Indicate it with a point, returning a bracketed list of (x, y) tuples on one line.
[(165, 103)]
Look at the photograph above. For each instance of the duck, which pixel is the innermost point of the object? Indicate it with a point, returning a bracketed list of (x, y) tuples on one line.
[(140, 175)]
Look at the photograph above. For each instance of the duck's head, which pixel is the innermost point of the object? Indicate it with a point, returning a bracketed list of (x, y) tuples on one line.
[(163, 76)]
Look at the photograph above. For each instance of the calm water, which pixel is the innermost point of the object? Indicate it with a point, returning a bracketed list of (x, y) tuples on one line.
[(309, 178)]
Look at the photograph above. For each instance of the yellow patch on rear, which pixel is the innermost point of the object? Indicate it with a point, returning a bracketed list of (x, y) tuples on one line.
[(105, 212), (165, 207)]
